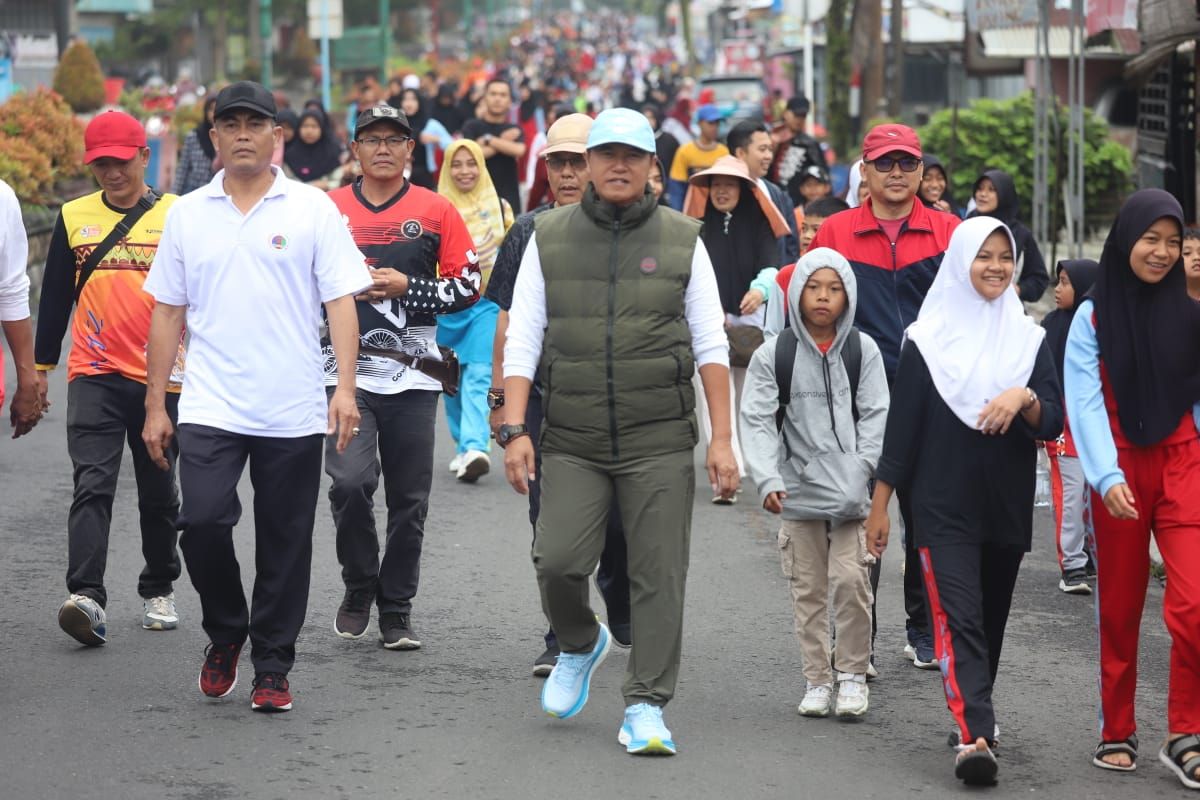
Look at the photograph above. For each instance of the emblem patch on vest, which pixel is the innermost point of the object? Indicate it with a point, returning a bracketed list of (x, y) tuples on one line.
[(649, 265), (411, 229)]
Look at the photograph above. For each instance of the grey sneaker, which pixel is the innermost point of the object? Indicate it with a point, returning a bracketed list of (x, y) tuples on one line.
[(160, 613), (396, 632), (83, 619)]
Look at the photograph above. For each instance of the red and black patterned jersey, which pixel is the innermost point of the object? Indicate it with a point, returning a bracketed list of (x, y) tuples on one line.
[(419, 233)]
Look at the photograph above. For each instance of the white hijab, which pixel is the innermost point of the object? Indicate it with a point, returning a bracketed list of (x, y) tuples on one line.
[(974, 348), (855, 180)]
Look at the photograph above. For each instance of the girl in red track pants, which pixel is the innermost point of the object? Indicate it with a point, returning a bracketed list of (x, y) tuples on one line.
[(1132, 375)]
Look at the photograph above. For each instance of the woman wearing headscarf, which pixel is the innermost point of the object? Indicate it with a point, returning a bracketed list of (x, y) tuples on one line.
[(856, 190), (432, 139), (934, 190), (446, 110), (195, 167), (314, 155), (1067, 485), (1132, 383), (741, 229), (975, 390), (465, 182), (995, 195)]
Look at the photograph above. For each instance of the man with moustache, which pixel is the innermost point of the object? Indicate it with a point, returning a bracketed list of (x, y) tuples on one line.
[(422, 264), (567, 173)]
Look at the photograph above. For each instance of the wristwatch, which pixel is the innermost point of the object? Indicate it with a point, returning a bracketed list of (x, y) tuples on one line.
[(509, 432), (495, 399), (1031, 399)]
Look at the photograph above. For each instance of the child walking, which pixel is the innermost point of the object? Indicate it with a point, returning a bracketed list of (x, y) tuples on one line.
[(1075, 279), (812, 465), (975, 389), (1191, 261), (1132, 382)]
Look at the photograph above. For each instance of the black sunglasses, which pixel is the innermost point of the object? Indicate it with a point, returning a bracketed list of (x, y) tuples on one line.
[(907, 163)]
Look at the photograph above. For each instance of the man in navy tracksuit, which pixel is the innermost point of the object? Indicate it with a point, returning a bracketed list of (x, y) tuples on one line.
[(894, 244)]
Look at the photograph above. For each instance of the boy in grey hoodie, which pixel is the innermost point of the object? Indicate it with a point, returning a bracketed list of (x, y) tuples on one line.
[(814, 471)]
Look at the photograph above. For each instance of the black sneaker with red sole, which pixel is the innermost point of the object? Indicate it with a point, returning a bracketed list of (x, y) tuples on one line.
[(218, 676), (271, 693)]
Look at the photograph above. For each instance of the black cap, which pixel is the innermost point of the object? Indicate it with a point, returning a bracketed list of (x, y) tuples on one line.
[(799, 104), (382, 113), (246, 95)]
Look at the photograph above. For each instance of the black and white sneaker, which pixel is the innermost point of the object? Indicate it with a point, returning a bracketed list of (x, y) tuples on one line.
[(354, 614), (1074, 581), (544, 665), (395, 632)]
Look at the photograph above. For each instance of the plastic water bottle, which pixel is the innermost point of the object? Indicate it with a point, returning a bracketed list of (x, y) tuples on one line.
[(1041, 492)]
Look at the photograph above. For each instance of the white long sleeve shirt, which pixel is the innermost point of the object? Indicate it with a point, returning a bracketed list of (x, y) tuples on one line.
[(528, 318), (14, 252)]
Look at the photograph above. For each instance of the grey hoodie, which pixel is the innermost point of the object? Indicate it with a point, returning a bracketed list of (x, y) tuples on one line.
[(831, 458)]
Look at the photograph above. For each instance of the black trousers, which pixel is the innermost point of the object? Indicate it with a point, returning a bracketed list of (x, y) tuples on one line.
[(612, 577), (286, 476), (970, 588), (395, 438), (104, 413), (916, 609)]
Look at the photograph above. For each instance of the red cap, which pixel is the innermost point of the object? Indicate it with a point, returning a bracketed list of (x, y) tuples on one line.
[(114, 134), (884, 139)]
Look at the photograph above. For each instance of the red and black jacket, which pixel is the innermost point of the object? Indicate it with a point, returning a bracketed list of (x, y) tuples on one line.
[(892, 279)]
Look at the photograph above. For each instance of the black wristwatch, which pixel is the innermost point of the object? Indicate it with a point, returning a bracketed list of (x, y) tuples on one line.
[(495, 399), (509, 432)]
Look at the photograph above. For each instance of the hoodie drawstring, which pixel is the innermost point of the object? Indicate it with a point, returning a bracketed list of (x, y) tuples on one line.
[(829, 399)]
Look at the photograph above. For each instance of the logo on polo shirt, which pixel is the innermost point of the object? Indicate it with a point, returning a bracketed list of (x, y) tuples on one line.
[(89, 231), (411, 229), (279, 242)]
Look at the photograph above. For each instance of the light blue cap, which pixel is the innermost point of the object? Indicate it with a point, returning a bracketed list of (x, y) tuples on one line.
[(622, 126)]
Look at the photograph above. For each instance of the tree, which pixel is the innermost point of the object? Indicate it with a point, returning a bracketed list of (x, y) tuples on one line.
[(79, 79), (837, 68)]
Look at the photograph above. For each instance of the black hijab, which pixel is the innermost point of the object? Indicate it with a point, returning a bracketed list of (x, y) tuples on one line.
[(739, 247), (446, 111), (310, 162), (1149, 334), (202, 130), (933, 162), (1082, 274), (1008, 208), (416, 121)]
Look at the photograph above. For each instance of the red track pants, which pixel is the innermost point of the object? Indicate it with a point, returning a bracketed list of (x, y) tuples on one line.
[(1165, 480)]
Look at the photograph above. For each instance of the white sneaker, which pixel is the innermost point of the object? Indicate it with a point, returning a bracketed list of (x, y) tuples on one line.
[(456, 462), (160, 613), (474, 465), (816, 700), (852, 694)]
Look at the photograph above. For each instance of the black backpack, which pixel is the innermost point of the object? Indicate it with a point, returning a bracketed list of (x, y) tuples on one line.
[(785, 360)]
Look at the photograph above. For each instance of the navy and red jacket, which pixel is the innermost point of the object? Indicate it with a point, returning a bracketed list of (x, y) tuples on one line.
[(892, 279)]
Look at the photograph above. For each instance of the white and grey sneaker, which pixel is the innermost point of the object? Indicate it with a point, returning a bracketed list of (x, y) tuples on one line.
[(473, 466), (816, 700), (83, 619), (852, 695), (160, 613), (456, 462)]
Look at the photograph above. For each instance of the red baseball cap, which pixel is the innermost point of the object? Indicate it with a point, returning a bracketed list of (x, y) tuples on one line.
[(890, 138), (114, 134)]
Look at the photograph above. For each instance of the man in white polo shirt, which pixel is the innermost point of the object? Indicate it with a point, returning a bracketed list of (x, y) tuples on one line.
[(247, 263)]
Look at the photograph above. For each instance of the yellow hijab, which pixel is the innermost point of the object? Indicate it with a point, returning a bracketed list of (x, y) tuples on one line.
[(488, 217)]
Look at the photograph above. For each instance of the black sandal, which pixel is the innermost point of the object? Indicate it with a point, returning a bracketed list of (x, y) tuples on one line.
[(1172, 754), (1127, 747), (975, 767)]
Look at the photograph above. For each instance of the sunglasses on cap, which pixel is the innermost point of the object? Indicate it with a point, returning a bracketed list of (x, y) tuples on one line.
[(907, 163)]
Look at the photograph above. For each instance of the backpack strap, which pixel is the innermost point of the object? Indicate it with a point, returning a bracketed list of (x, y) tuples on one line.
[(785, 360), (852, 361), (119, 232)]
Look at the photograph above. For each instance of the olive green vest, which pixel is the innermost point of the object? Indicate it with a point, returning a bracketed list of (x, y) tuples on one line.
[(616, 368)]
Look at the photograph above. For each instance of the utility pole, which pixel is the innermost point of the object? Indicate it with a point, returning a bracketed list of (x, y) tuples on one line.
[(264, 31), (896, 95)]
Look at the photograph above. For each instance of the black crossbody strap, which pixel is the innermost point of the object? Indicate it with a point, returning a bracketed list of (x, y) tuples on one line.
[(119, 232)]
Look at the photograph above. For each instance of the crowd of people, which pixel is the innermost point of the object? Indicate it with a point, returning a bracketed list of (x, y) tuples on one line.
[(578, 284)]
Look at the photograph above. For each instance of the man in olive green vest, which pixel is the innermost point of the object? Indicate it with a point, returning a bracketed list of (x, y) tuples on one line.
[(614, 306)]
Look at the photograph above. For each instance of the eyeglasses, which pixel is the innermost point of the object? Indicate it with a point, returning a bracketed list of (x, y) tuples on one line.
[(391, 141), (559, 163), (885, 163)]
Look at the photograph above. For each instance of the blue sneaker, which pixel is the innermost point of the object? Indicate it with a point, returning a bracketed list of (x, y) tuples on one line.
[(644, 732), (566, 690), (919, 650)]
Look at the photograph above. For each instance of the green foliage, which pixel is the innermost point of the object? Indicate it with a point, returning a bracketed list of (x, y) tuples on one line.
[(41, 143), (837, 71), (79, 79), (998, 134)]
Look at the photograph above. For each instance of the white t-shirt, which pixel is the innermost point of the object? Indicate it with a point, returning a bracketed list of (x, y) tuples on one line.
[(253, 285)]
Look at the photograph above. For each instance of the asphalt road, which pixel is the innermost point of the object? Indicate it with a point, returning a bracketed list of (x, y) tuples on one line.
[(460, 718)]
